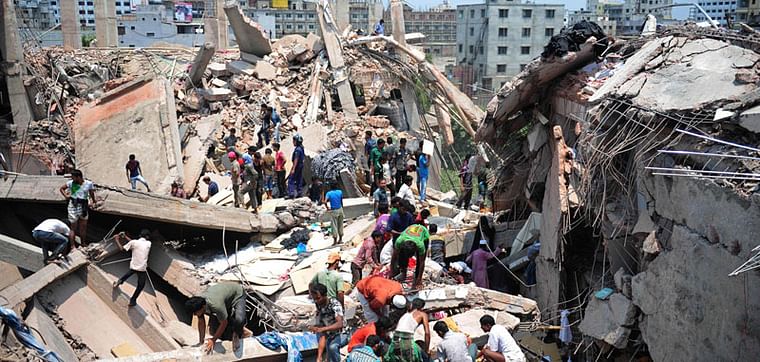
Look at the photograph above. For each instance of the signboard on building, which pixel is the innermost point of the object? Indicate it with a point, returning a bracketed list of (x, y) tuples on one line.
[(183, 12), (280, 4)]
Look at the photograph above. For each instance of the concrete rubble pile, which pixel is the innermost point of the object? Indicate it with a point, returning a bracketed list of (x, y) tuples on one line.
[(173, 107), (637, 166)]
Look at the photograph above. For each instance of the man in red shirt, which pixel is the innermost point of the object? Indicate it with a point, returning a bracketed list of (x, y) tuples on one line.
[(374, 293), (279, 169), (379, 328)]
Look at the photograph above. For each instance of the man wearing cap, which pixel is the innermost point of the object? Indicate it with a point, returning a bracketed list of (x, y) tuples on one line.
[(374, 293), (331, 278), (235, 176), (412, 242), (140, 249)]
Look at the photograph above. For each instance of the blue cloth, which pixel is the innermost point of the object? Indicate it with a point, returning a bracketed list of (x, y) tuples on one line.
[(213, 188), (362, 354), (369, 145), (275, 118), (293, 343), (334, 344), (247, 159), (300, 155), (565, 333), (400, 221), (380, 29), (24, 335), (335, 197), (422, 171)]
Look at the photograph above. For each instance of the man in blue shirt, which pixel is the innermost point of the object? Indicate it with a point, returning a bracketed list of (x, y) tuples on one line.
[(422, 173), (334, 203), (213, 188), (400, 220), (295, 178), (379, 28)]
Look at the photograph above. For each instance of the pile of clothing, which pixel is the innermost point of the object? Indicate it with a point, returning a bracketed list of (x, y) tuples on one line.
[(298, 236), (571, 39)]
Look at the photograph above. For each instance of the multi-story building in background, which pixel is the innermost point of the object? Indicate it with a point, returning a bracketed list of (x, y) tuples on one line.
[(748, 11), (629, 15), (717, 10), (496, 39), (438, 24), (299, 17), (609, 26)]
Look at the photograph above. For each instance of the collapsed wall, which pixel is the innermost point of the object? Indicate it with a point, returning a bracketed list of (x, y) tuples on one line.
[(660, 165)]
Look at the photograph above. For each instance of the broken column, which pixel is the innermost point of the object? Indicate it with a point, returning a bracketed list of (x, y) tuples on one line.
[(250, 36), (340, 10), (216, 26), (105, 23), (10, 47), (205, 53), (70, 25), (407, 90), (335, 54)]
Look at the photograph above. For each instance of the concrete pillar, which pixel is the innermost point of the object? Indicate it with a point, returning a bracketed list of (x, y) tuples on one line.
[(13, 58), (70, 24), (105, 23), (216, 27), (407, 91), (340, 10)]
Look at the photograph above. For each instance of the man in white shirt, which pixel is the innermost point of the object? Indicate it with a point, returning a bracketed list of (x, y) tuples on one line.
[(405, 191), (55, 232), (140, 249), (501, 347)]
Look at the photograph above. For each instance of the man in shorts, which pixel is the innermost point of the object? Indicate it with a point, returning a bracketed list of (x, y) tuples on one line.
[(78, 193)]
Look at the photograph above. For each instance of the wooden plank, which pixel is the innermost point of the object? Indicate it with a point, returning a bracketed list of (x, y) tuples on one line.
[(20, 254)]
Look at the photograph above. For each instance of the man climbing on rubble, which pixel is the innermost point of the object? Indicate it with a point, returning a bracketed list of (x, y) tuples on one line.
[(177, 190), (55, 233), (375, 293), (78, 193), (295, 178), (379, 28), (279, 169), (422, 174), (331, 278), (268, 118), (330, 327), (411, 243), (235, 177), (501, 346), (369, 144), (465, 177), (367, 255), (225, 305), (334, 204), (134, 173), (140, 249)]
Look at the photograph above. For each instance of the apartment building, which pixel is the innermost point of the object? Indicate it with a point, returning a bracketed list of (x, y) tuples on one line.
[(300, 17), (496, 39), (717, 10), (630, 15)]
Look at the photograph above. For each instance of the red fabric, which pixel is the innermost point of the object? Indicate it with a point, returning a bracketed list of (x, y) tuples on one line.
[(279, 161), (360, 336), (378, 290)]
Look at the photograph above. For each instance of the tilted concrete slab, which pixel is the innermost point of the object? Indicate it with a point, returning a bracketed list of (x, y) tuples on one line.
[(54, 339), (196, 148), (124, 202), (175, 270), (252, 351), (26, 288), (249, 35), (137, 118), (20, 254)]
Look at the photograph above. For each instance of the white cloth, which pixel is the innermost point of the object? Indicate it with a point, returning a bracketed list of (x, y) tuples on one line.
[(386, 253), (53, 226), (140, 249), (84, 189), (405, 192), (407, 323), (500, 340), (387, 172)]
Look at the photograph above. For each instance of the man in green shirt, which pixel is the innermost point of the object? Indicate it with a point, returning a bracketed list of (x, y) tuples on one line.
[(225, 305), (331, 278), (375, 165), (412, 242)]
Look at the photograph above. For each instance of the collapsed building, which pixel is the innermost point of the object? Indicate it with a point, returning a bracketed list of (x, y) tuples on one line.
[(637, 162)]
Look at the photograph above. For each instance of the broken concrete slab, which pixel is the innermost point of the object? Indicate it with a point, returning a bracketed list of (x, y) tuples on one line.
[(241, 67), (184, 334), (217, 94), (26, 288), (609, 320), (125, 202), (265, 71), (21, 254), (750, 119), (218, 70), (337, 63), (194, 153), (202, 58), (249, 35), (11, 274), (175, 270), (356, 207), (41, 323), (136, 118), (223, 352)]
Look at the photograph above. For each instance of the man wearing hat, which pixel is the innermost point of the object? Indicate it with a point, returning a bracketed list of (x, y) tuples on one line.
[(235, 176), (331, 278), (140, 249)]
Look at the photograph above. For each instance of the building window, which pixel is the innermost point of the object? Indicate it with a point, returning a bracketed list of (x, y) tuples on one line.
[(501, 68), (550, 14), (472, 31), (502, 50), (121, 30), (472, 13), (525, 50), (527, 13), (522, 67), (549, 32), (460, 47), (150, 35), (131, 28), (482, 13), (461, 14), (503, 13), (503, 32), (472, 49), (480, 50), (526, 32)]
